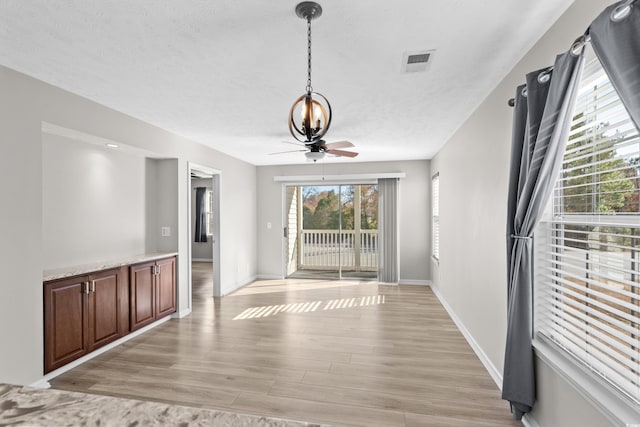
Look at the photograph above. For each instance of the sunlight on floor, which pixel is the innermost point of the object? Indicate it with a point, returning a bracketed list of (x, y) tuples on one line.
[(306, 307), (270, 286)]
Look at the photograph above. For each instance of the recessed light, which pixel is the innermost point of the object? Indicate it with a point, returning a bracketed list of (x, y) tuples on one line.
[(110, 145)]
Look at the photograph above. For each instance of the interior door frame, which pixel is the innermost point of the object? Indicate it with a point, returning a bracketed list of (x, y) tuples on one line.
[(216, 176)]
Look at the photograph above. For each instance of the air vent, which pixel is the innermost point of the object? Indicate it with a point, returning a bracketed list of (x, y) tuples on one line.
[(417, 61)]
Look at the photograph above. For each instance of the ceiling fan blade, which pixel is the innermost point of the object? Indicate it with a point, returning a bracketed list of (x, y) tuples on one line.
[(342, 153), (339, 144), (283, 152), (299, 144)]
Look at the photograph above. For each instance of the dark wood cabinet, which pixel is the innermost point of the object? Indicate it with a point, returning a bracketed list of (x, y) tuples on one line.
[(104, 310), (142, 287), (153, 291), (85, 312), (166, 287), (65, 321), (81, 313)]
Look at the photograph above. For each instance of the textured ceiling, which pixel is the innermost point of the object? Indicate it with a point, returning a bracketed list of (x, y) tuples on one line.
[(225, 73)]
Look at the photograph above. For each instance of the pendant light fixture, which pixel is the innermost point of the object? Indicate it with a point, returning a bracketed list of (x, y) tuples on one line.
[(310, 114)]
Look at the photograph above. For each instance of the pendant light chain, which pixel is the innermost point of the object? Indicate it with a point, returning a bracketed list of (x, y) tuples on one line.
[(309, 88)]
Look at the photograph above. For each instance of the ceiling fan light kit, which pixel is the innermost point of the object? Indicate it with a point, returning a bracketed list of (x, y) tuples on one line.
[(314, 155), (310, 115)]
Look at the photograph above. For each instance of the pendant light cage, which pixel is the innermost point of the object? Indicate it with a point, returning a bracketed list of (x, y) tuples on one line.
[(310, 114)]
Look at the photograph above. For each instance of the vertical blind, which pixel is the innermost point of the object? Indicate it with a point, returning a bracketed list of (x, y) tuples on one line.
[(588, 248), (435, 216), (388, 264)]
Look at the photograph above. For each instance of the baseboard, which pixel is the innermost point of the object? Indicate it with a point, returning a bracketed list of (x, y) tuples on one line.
[(182, 313), (44, 382), (41, 383), (270, 277), (201, 260), (239, 285), (491, 369), (415, 282), (529, 421)]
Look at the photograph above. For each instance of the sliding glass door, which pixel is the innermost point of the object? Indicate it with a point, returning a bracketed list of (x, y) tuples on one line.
[(331, 231)]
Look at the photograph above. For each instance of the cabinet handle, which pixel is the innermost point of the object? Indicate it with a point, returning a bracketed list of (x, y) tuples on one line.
[(85, 287), (93, 286)]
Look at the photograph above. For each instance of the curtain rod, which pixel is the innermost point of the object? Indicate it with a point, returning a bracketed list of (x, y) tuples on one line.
[(618, 14), (543, 77)]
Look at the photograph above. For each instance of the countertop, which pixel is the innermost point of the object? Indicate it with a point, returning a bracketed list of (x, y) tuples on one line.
[(27, 406), (76, 270)]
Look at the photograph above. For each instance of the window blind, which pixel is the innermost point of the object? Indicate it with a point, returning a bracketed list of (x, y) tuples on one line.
[(209, 212), (435, 216), (588, 248)]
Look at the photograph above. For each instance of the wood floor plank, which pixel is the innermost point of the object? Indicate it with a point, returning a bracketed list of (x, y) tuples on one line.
[(424, 374), (315, 411), (167, 392), (435, 406), (399, 362), (420, 420), (238, 369), (401, 387)]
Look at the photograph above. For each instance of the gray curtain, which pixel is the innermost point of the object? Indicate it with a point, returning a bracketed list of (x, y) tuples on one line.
[(388, 230), (539, 138), (617, 46), (201, 215)]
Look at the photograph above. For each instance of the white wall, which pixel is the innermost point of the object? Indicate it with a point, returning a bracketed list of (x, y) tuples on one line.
[(25, 104), (93, 204), (20, 233), (473, 167), (415, 227), (164, 213)]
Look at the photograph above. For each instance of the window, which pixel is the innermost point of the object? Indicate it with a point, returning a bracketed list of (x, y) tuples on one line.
[(435, 216), (209, 211), (588, 245)]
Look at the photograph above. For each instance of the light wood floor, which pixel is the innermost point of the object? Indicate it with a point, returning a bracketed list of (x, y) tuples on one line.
[(345, 353)]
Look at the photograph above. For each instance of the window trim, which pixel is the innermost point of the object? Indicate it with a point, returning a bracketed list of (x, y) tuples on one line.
[(435, 219), (613, 404)]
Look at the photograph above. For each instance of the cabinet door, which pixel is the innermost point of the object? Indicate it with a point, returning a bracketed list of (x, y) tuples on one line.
[(65, 321), (142, 297), (103, 308), (166, 287)]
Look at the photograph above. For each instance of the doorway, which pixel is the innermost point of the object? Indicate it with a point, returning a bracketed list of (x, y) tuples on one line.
[(204, 232), (331, 231)]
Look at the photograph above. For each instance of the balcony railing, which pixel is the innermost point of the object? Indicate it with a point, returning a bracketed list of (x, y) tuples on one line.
[(330, 249)]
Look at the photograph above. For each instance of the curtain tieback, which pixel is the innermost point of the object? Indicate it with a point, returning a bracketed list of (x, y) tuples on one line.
[(513, 236)]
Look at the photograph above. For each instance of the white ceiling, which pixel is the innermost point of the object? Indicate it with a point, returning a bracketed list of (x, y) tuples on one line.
[(225, 73)]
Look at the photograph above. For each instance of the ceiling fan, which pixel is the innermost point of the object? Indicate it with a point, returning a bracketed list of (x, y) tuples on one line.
[(316, 150), (312, 108)]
